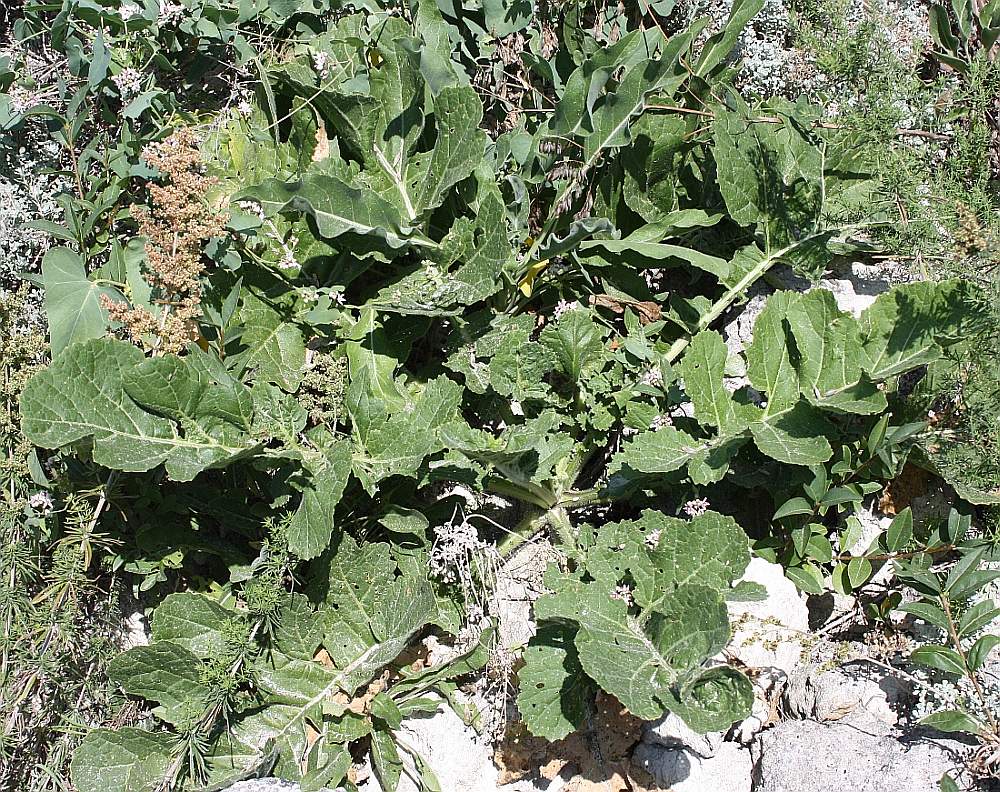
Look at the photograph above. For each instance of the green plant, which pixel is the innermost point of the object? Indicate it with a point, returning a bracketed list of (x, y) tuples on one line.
[(952, 600), (400, 307), (964, 30)]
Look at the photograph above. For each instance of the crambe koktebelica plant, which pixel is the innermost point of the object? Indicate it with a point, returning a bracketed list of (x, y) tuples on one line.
[(402, 307)]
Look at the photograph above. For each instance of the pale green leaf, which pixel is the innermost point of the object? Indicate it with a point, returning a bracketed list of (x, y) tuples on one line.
[(554, 693), (72, 301), (124, 760), (325, 476), (82, 395)]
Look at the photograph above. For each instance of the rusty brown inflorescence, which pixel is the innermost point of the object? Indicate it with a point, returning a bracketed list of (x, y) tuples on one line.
[(175, 228)]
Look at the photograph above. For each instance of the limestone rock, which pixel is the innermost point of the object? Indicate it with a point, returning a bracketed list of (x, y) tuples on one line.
[(680, 770), (461, 762), (672, 732), (859, 694), (807, 756), (769, 633)]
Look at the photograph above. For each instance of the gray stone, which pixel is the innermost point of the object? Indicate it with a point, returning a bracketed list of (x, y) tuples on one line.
[(729, 770), (461, 761), (807, 756), (264, 785), (859, 694), (672, 732)]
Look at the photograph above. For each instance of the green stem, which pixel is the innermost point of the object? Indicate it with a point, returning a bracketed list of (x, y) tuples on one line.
[(581, 499), (733, 293), (530, 493), (957, 642), (533, 522)]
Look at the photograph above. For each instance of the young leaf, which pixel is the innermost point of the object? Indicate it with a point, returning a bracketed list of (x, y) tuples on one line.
[(980, 650), (977, 617), (952, 721), (325, 478), (72, 301), (900, 531)]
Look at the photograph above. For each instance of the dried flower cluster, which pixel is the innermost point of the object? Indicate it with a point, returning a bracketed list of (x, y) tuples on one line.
[(175, 229)]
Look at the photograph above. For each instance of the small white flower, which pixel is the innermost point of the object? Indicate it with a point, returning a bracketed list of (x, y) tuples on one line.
[(338, 298), (623, 593), (653, 376), (321, 64), (128, 81), (41, 502), (562, 307), (251, 207), (129, 10), (21, 100), (660, 421), (170, 13), (697, 506), (288, 261), (244, 108)]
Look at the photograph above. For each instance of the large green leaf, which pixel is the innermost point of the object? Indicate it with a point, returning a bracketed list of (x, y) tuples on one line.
[(703, 369), (458, 147), (82, 395), (576, 342), (325, 476), (554, 693), (640, 663), (372, 609), (337, 207), (275, 348), (797, 436), (192, 621), (125, 760), (166, 673), (909, 325)]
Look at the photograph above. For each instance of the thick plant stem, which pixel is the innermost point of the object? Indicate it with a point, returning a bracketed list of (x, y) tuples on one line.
[(581, 499), (533, 494), (559, 520), (533, 522)]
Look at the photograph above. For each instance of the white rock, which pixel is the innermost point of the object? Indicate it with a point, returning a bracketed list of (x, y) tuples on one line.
[(136, 630), (748, 728), (682, 771), (739, 332), (859, 694), (847, 298), (807, 756), (672, 732), (769, 633)]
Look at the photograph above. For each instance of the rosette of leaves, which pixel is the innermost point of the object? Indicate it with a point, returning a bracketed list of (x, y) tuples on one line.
[(640, 616), (403, 146), (290, 700)]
